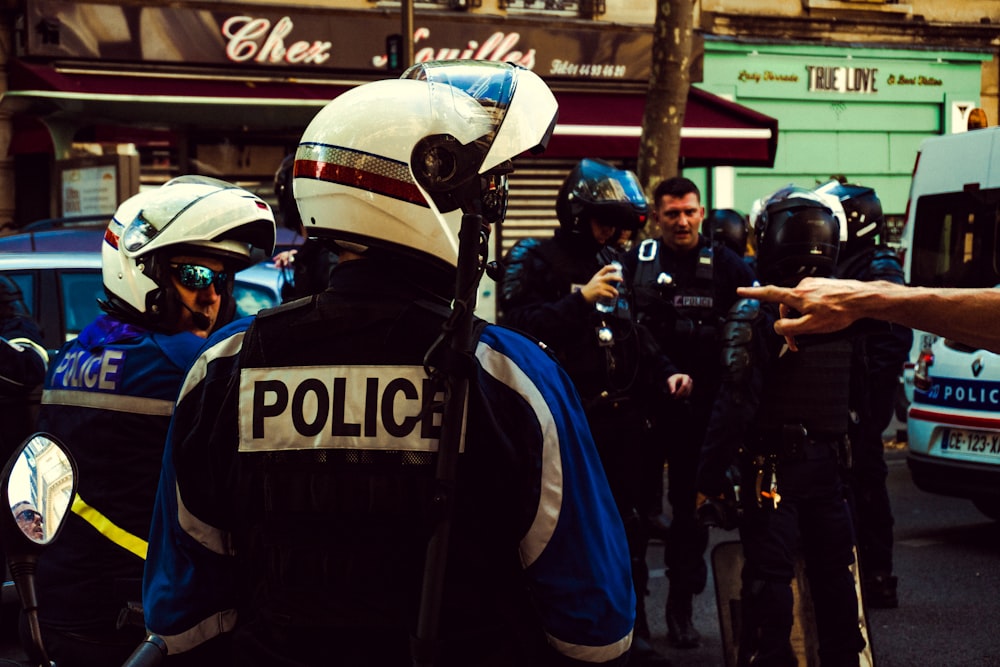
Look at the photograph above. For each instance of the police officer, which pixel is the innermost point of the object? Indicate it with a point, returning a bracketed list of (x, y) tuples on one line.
[(683, 287), (877, 363), (23, 360), (168, 260), (294, 525), (568, 292), (306, 269), (786, 416)]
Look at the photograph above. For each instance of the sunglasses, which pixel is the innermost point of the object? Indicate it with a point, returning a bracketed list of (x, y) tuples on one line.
[(673, 214), (195, 276), (28, 515)]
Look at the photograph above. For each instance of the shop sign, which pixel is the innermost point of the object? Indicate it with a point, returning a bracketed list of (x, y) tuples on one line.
[(323, 40), (842, 79)]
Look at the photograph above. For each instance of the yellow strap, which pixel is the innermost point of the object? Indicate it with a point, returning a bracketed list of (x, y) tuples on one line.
[(105, 527)]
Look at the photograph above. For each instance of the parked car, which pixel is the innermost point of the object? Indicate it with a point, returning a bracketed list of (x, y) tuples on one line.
[(59, 273)]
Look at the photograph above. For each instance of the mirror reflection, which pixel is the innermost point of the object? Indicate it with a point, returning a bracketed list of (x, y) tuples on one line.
[(40, 489)]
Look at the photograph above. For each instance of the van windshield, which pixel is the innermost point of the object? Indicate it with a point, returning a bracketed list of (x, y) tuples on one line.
[(955, 240)]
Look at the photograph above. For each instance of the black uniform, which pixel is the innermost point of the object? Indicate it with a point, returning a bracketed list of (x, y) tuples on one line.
[(615, 365), (877, 362), (23, 361), (789, 412), (686, 318), (329, 508)]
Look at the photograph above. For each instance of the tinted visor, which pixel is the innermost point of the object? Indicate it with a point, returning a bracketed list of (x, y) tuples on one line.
[(490, 84)]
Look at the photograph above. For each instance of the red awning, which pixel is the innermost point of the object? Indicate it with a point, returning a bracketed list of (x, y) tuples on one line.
[(604, 124), (716, 132)]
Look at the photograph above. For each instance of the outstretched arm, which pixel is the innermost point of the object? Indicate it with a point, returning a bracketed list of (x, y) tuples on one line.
[(826, 305)]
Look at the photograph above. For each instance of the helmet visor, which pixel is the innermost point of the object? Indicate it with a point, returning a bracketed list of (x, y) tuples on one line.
[(493, 86)]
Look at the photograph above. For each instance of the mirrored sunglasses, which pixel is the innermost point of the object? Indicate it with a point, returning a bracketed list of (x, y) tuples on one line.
[(28, 515), (195, 276)]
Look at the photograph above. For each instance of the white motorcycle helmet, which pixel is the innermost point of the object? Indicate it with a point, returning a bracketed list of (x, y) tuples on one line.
[(196, 215), (393, 164)]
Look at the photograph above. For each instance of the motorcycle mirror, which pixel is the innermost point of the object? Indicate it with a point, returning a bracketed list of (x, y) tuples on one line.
[(39, 484)]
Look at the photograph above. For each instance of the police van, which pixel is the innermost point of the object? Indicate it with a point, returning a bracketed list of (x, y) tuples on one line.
[(952, 239)]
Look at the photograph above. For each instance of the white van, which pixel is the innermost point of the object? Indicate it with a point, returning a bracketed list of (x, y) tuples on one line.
[(952, 239)]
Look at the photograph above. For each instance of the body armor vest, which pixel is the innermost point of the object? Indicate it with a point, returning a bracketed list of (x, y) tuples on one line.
[(679, 312), (809, 387)]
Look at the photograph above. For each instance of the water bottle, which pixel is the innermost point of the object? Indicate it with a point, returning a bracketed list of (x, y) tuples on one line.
[(608, 305)]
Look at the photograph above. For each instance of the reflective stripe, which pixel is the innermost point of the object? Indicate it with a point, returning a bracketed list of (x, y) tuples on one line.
[(593, 653), (105, 527), (543, 525), (205, 534), (157, 407), (213, 626), (228, 347)]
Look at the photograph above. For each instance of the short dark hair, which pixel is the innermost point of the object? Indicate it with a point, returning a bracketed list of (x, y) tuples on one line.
[(677, 187)]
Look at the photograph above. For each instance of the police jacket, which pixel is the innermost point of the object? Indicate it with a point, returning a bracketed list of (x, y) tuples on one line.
[(687, 314), (299, 514), (773, 401), (23, 361), (108, 396), (606, 355)]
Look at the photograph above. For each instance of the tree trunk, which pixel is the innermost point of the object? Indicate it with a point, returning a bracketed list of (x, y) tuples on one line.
[(666, 101)]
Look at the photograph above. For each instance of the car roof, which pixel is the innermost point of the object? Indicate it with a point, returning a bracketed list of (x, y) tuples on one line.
[(13, 261), (89, 236)]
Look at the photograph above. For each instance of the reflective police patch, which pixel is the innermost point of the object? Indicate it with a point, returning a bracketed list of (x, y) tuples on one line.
[(340, 407)]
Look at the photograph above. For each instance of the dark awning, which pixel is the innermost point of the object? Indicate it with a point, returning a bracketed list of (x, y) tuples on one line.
[(716, 132), (604, 124)]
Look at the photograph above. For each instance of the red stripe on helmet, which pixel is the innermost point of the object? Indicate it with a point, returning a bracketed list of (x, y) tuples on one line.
[(360, 178)]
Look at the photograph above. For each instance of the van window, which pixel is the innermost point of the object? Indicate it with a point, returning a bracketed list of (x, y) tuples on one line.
[(954, 240)]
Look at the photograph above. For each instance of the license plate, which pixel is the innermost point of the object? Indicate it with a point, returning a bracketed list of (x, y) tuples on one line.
[(977, 443)]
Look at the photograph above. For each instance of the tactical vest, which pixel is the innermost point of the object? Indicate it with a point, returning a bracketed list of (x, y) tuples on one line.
[(351, 519), (677, 312), (808, 387)]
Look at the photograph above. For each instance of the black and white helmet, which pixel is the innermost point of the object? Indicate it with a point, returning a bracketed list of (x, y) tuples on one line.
[(189, 214), (865, 226), (394, 164)]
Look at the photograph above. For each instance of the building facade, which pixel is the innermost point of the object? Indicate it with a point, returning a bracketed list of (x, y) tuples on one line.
[(783, 90)]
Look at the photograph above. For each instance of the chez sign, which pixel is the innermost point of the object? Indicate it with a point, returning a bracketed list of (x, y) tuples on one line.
[(327, 40)]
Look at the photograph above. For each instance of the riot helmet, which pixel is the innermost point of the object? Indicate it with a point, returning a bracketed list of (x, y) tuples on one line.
[(797, 236), (597, 190), (196, 215), (391, 166), (728, 227), (287, 207), (865, 224)]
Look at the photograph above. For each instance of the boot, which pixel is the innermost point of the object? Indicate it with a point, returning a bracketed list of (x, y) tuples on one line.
[(880, 591), (680, 629), (644, 655)]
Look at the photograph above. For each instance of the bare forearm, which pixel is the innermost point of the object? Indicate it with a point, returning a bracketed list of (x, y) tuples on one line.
[(970, 316), (823, 305)]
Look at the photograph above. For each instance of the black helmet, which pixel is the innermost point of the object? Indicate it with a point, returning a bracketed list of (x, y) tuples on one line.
[(283, 192), (596, 189), (728, 227), (863, 211), (797, 236)]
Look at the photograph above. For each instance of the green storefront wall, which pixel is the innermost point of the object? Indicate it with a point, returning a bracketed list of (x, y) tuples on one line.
[(856, 112)]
